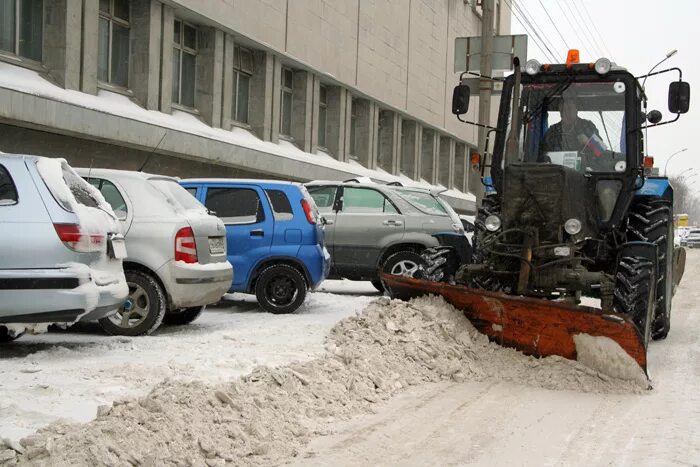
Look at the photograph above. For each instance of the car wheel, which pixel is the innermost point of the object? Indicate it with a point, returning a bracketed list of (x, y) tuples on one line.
[(378, 285), (403, 263), (143, 310), (183, 315), (280, 289), (6, 337)]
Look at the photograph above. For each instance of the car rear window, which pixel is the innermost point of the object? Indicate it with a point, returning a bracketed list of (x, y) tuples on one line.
[(58, 176), (8, 192), (424, 202), (235, 205), (281, 207), (176, 195)]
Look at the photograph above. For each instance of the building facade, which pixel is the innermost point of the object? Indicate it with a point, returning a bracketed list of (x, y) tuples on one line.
[(293, 89)]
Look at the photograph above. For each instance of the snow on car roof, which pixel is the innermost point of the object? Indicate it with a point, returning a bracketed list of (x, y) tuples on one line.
[(238, 180), (97, 172)]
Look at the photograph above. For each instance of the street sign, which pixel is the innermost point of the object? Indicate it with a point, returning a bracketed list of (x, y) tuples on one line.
[(468, 52)]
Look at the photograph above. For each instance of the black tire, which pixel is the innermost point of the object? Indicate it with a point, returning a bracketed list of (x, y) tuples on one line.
[(5, 336), (146, 301), (634, 292), (404, 263), (280, 289), (182, 316), (440, 264), (378, 285), (652, 221)]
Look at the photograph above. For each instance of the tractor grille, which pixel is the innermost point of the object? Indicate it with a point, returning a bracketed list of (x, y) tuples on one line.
[(543, 197)]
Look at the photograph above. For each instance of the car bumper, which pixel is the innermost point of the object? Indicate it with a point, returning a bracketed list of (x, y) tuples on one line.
[(196, 284), (58, 296), (317, 261)]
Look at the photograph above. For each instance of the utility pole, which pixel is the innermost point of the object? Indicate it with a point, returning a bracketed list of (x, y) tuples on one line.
[(485, 85)]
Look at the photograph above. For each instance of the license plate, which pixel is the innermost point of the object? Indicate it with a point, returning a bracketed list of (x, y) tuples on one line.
[(217, 245), (118, 247)]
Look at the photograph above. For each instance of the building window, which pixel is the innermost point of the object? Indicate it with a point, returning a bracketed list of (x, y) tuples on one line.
[(322, 113), (242, 72), (353, 128), (287, 96), (113, 42), (184, 63), (21, 27)]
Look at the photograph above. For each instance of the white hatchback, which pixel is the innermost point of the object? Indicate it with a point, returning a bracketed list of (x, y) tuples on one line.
[(176, 263)]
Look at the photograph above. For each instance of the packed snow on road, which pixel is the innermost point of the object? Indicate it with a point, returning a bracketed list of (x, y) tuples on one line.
[(353, 378)]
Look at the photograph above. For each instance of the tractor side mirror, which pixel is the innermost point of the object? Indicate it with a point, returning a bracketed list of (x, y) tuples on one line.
[(654, 117), (460, 99), (678, 97)]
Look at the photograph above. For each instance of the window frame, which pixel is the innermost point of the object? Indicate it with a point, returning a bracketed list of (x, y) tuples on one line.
[(238, 70), (182, 48), (290, 91), (111, 19), (383, 211), (14, 55)]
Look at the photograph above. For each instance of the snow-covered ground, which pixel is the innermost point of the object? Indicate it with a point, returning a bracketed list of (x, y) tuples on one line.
[(485, 405), (69, 374)]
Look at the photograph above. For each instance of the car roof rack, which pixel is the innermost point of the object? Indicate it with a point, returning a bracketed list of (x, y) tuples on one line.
[(351, 180), (397, 183)]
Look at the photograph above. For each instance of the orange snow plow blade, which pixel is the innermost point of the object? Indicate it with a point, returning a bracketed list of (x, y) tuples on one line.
[(534, 326)]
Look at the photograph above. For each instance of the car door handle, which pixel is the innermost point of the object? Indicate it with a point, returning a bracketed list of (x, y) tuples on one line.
[(330, 222), (257, 233), (393, 222)]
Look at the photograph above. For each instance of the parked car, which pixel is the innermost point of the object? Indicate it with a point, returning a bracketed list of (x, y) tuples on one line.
[(372, 228), (61, 249), (176, 263), (275, 240), (692, 239)]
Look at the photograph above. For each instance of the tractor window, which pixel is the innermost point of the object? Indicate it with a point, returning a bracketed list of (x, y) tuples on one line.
[(577, 125)]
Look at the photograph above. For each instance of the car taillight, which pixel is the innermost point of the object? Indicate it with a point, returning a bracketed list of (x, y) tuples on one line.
[(74, 238), (310, 215), (185, 247)]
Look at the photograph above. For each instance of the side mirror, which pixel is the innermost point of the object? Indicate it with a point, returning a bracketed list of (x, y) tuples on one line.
[(654, 117), (678, 97), (460, 99)]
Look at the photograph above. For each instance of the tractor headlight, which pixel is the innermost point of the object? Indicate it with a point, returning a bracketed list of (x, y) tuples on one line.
[(492, 223), (532, 67), (602, 66), (572, 226)]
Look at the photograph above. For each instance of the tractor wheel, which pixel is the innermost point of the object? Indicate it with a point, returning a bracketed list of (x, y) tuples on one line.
[(440, 264), (634, 292), (651, 221)]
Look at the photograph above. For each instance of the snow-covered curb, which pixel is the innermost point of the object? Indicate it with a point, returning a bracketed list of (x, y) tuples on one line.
[(268, 415)]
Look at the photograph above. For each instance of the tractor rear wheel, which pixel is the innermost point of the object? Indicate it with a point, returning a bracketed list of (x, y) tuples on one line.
[(634, 292), (651, 221)]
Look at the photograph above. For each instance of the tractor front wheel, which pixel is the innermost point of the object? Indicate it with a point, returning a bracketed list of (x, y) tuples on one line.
[(635, 284)]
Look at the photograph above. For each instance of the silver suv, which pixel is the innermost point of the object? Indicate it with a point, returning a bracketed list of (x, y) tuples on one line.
[(61, 249), (372, 228)]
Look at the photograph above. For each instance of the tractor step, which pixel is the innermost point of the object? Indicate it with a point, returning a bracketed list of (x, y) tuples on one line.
[(534, 326)]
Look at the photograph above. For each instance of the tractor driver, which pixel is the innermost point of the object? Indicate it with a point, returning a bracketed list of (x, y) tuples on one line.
[(572, 133)]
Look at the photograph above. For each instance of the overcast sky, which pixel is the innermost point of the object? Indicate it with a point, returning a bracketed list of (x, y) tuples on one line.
[(636, 34)]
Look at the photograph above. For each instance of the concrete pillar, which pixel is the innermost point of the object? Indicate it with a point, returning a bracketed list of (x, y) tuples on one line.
[(262, 97), (445, 164), (302, 109), (460, 166), (88, 79), (227, 92), (315, 111), (374, 135), (346, 97), (410, 145), (144, 66), (276, 99), (166, 59), (209, 85), (62, 36), (336, 121)]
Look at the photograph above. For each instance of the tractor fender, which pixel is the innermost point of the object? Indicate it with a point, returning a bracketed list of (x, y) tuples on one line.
[(655, 187)]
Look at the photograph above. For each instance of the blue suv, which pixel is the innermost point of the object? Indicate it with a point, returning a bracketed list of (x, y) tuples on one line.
[(274, 237)]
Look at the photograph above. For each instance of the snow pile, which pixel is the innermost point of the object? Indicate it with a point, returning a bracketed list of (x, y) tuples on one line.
[(267, 416), (606, 355)]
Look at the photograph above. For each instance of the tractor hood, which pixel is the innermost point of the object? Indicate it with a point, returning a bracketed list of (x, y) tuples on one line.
[(545, 196)]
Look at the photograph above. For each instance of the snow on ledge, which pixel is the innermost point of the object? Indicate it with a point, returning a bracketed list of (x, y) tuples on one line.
[(27, 81)]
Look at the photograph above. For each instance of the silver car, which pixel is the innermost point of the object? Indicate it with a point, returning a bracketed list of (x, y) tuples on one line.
[(60, 248), (372, 228), (176, 261)]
